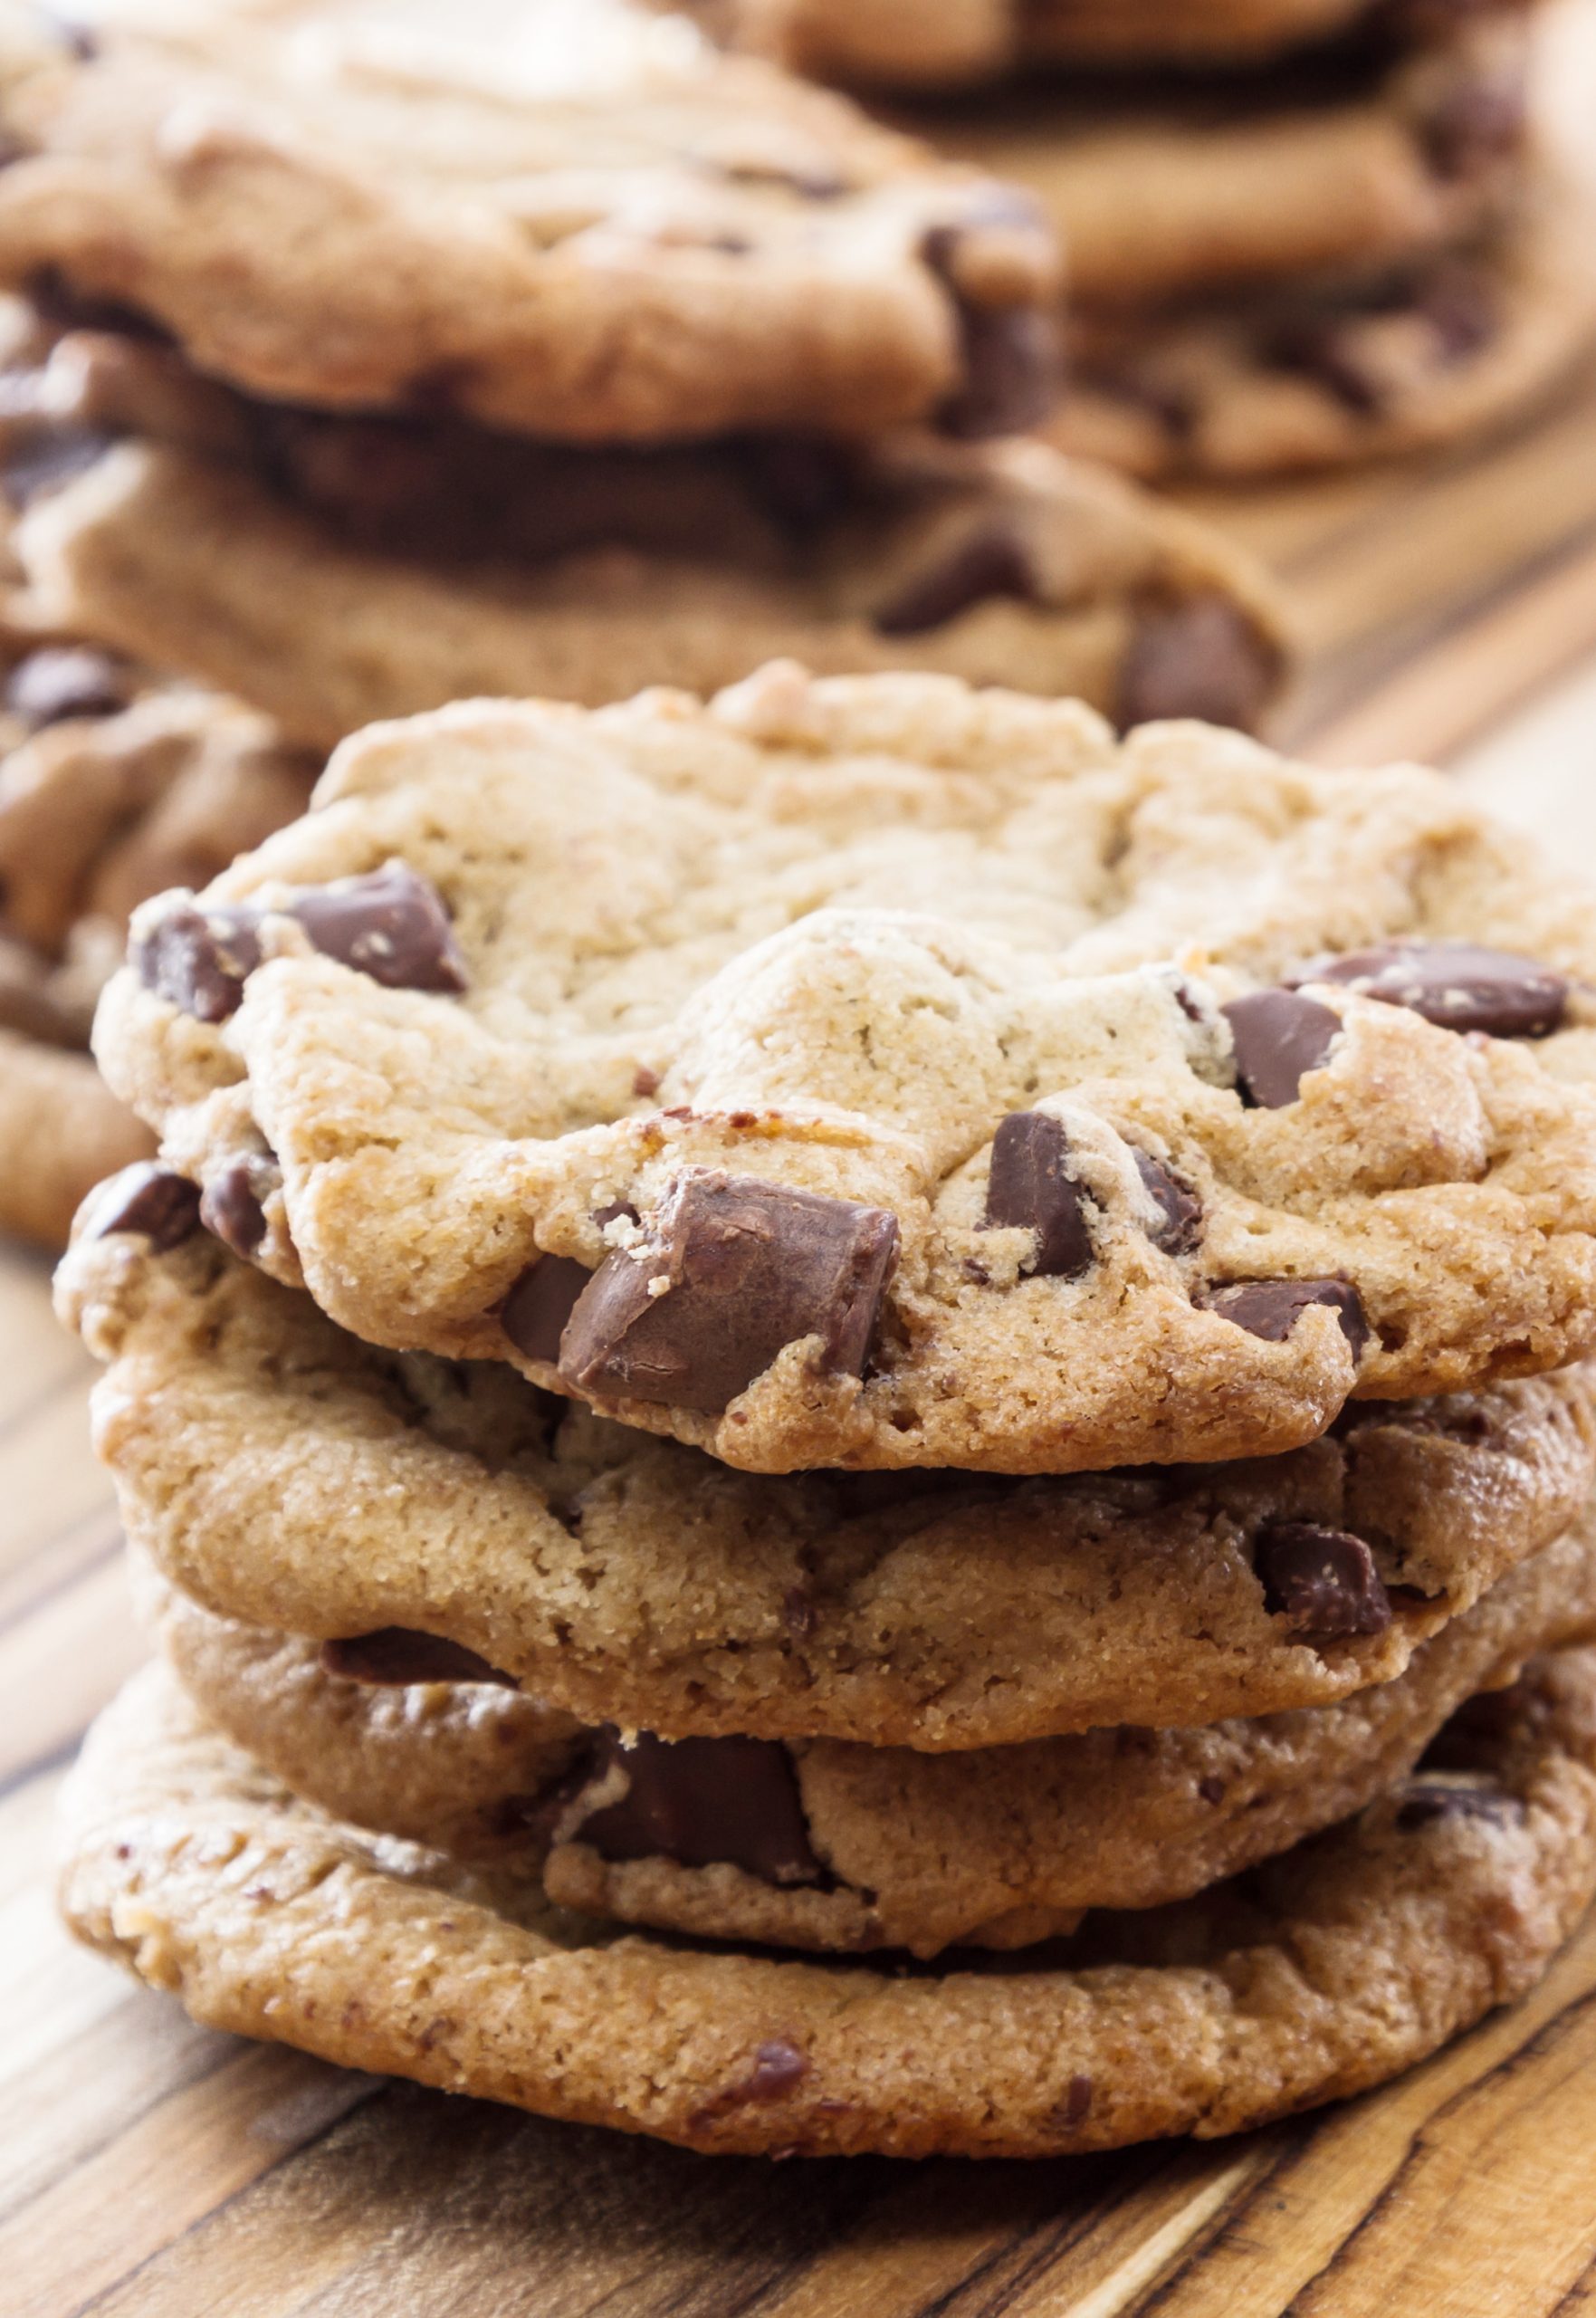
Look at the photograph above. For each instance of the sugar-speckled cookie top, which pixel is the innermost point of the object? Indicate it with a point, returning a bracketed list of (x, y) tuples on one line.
[(823, 1844), (283, 1474), (874, 1072), (570, 216), (1325, 1971)]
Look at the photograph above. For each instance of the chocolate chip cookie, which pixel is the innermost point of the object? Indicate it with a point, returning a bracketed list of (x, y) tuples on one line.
[(566, 218), (112, 786), (335, 570), (874, 1072), (1325, 1971), (820, 1843), (284, 1474)]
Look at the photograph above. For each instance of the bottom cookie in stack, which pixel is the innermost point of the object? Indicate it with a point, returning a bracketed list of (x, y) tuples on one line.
[(1346, 1846)]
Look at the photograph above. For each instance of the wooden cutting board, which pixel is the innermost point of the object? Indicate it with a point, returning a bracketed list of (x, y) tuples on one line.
[(147, 2167)]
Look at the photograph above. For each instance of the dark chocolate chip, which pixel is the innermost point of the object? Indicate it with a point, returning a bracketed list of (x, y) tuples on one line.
[(396, 1656), (1323, 1582), (197, 958), (1458, 985), (161, 1206), (391, 925), (50, 461), (1474, 126), (1270, 1307), (63, 680), (1278, 1038), (1180, 1210), (1075, 2105), (230, 1207), (1027, 1188), (749, 1267), (779, 2064), (1211, 1789), (535, 1312), (702, 1800), (1428, 1800), (986, 563), (1013, 371), (1202, 657)]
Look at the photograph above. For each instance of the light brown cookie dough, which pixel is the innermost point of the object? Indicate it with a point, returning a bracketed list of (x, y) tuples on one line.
[(860, 1048), (284, 1474), (567, 217), (1325, 1971), (110, 788), (1431, 355), (1162, 192), (823, 1845), (334, 570)]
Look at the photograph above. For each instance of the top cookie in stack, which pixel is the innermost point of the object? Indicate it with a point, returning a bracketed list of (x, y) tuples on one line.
[(1296, 233), (385, 359), (871, 1072)]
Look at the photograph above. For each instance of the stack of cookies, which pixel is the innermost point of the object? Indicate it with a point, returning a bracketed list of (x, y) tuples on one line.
[(388, 355), (854, 1420), (1299, 232)]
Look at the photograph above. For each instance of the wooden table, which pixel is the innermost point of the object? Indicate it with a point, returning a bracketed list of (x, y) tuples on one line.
[(149, 2167)]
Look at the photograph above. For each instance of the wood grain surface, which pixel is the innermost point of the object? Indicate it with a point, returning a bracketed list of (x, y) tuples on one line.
[(152, 2169)]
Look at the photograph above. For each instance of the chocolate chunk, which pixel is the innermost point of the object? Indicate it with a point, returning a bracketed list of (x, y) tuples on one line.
[(161, 1206), (1278, 1038), (803, 482), (1075, 2105), (1324, 1582), (779, 2065), (1028, 1188), (1429, 1799), (749, 1267), (396, 1656), (1475, 125), (535, 1312), (67, 680), (1211, 1789), (229, 1206), (391, 925), (986, 563), (49, 461), (1270, 1307), (1178, 1207), (196, 959), (702, 1800), (1458, 985), (1200, 658), (1013, 371), (1461, 309)]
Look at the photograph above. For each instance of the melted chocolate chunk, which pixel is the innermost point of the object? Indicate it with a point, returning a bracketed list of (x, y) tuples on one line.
[(161, 1206), (1278, 1038), (1028, 1188), (702, 1800), (1326, 353), (63, 680), (987, 563), (391, 925), (393, 1656), (1270, 1309), (1202, 657), (1323, 1582), (1429, 1799), (1458, 985), (1013, 358), (196, 959), (1179, 1209), (229, 1206), (538, 1307), (749, 1267)]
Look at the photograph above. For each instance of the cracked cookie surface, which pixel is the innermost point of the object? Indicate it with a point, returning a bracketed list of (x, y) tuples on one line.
[(895, 1074)]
